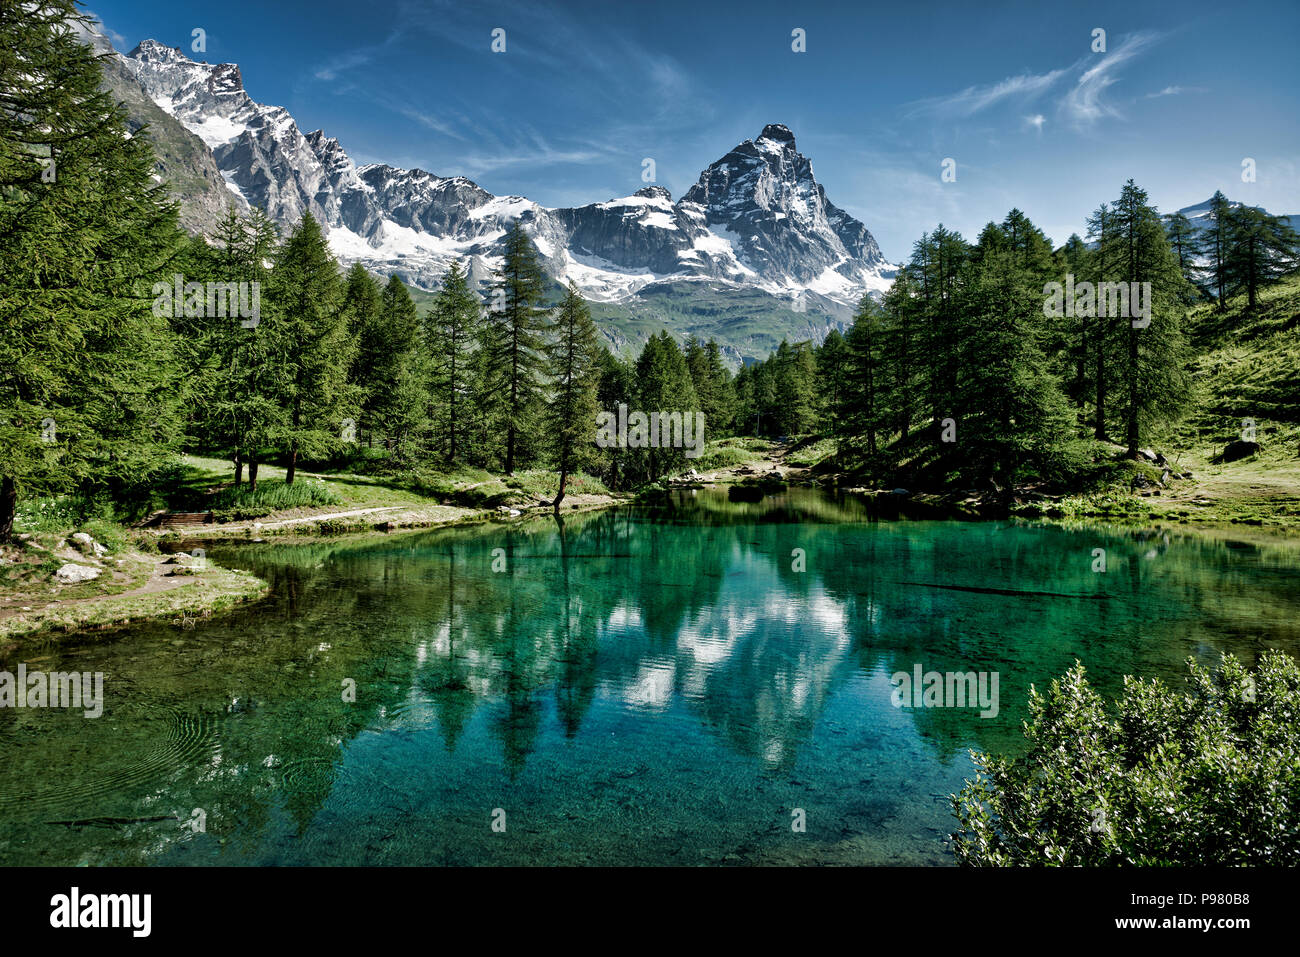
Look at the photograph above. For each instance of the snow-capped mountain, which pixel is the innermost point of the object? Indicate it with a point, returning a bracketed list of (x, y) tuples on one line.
[(757, 218), (1199, 215)]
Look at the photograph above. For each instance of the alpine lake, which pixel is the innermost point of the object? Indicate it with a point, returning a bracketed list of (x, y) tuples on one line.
[(705, 681)]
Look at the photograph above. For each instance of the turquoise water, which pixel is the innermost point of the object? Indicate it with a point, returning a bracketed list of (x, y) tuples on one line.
[(641, 686)]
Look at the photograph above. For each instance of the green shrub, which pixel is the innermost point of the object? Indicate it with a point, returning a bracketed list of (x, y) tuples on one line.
[(243, 514), (1208, 776)]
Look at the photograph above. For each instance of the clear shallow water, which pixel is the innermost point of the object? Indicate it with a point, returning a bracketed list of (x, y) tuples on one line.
[(644, 687)]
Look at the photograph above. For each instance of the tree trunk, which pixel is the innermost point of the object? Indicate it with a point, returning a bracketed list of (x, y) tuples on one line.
[(1133, 388), (293, 446), (1100, 430), (8, 506), (559, 496), (252, 474)]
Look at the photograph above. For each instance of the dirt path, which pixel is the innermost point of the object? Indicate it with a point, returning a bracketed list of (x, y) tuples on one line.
[(323, 518)]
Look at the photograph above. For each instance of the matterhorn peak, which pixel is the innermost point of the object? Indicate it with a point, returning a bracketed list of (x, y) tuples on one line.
[(778, 133)]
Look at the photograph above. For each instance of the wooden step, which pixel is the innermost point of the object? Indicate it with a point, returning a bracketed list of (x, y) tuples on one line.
[(183, 519)]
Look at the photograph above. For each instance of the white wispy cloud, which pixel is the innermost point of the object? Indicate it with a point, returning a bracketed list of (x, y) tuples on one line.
[(1084, 105), (591, 70), (1024, 87), (1176, 91)]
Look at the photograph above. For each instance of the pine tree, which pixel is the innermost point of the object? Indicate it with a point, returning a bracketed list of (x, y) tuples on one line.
[(903, 307), (1015, 420), (86, 233), (235, 415), (862, 410), (832, 385), (362, 302), (396, 402), (1261, 248), (309, 344), (452, 330), (939, 264), (712, 383), (663, 384), (1153, 368), (794, 370), (1215, 245), (1101, 230), (1185, 243), (574, 366), (516, 345), (617, 388)]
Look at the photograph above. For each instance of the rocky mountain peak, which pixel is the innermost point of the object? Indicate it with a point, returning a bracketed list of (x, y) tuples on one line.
[(654, 192), (151, 51), (778, 133)]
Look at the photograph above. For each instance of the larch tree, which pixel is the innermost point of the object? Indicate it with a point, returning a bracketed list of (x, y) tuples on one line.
[(1261, 248), (452, 331), (574, 368), (309, 344), (516, 317), (88, 375)]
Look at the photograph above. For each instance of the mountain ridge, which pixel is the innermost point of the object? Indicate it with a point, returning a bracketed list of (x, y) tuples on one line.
[(756, 218)]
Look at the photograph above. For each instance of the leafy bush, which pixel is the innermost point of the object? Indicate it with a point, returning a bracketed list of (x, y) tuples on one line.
[(274, 494), (1209, 776)]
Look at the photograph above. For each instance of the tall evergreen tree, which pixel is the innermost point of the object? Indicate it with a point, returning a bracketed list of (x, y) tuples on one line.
[(617, 387), (663, 384), (238, 412), (1075, 261), (396, 400), (516, 342), (575, 364), (832, 384), (362, 302), (1104, 260), (1185, 243), (88, 376), (903, 307), (862, 411), (1014, 417), (453, 329), (794, 369), (1153, 369), (712, 383), (309, 344), (1261, 248), (1215, 244)]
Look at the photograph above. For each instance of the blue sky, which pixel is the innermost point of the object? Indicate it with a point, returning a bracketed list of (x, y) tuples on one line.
[(883, 94)]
